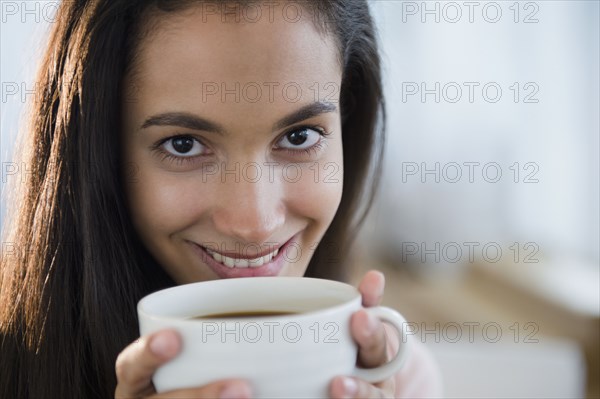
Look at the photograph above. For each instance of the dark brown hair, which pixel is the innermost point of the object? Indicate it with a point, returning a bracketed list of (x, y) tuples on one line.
[(72, 266)]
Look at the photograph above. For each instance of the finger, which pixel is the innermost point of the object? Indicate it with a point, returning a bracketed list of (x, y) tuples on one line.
[(348, 387), (371, 288), (369, 333), (225, 389), (136, 365)]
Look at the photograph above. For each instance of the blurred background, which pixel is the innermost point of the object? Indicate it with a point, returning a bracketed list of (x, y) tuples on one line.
[(487, 223)]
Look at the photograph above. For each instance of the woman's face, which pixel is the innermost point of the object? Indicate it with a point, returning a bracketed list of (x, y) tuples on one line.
[(232, 137)]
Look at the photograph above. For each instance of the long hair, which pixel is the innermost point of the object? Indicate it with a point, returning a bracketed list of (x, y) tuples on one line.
[(72, 267)]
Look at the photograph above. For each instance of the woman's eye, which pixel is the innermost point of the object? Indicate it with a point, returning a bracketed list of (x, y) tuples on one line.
[(183, 146), (300, 139)]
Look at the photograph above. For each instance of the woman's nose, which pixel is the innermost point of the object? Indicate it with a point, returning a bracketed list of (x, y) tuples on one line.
[(249, 211)]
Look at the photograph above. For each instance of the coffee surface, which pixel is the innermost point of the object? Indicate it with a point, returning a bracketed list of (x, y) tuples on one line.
[(257, 313)]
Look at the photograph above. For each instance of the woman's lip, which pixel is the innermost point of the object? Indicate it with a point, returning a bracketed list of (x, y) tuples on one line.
[(268, 269)]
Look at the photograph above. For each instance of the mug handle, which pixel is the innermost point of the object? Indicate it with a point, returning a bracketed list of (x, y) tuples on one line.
[(388, 369)]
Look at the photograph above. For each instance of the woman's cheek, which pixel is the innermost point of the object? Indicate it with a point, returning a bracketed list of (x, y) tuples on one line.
[(164, 202), (317, 192)]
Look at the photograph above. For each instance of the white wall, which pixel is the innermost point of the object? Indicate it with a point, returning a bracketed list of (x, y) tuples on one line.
[(558, 135), (23, 30)]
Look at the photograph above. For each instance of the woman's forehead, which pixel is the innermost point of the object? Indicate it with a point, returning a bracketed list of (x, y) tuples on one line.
[(263, 69), (195, 45)]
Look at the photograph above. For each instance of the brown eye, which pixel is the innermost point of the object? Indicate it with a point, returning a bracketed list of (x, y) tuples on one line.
[(297, 138), (300, 139), (183, 146)]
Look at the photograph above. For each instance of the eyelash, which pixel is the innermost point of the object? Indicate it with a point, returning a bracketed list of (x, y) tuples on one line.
[(166, 156)]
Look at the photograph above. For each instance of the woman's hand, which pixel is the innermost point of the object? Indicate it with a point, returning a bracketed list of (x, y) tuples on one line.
[(369, 333), (137, 363)]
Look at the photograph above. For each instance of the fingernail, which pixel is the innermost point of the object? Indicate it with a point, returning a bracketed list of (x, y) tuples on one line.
[(164, 344), (350, 387), (236, 391), (370, 326), (382, 286)]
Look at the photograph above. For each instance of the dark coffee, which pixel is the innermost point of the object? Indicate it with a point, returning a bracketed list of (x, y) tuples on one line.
[(257, 313)]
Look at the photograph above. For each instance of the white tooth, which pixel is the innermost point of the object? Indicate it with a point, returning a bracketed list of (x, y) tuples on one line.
[(241, 263), (266, 259), (256, 262), (229, 262)]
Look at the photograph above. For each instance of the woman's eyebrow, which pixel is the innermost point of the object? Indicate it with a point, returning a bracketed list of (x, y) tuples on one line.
[(183, 119), (306, 112), (195, 122)]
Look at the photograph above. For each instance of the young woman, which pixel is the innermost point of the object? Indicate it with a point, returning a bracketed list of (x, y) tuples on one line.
[(181, 141)]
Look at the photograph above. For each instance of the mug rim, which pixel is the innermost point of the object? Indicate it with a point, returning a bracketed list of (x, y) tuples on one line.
[(354, 295)]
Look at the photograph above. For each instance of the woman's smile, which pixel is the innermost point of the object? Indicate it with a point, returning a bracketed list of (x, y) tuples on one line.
[(248, 263)]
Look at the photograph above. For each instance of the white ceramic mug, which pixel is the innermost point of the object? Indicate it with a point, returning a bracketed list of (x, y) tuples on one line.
[(293, 355)]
